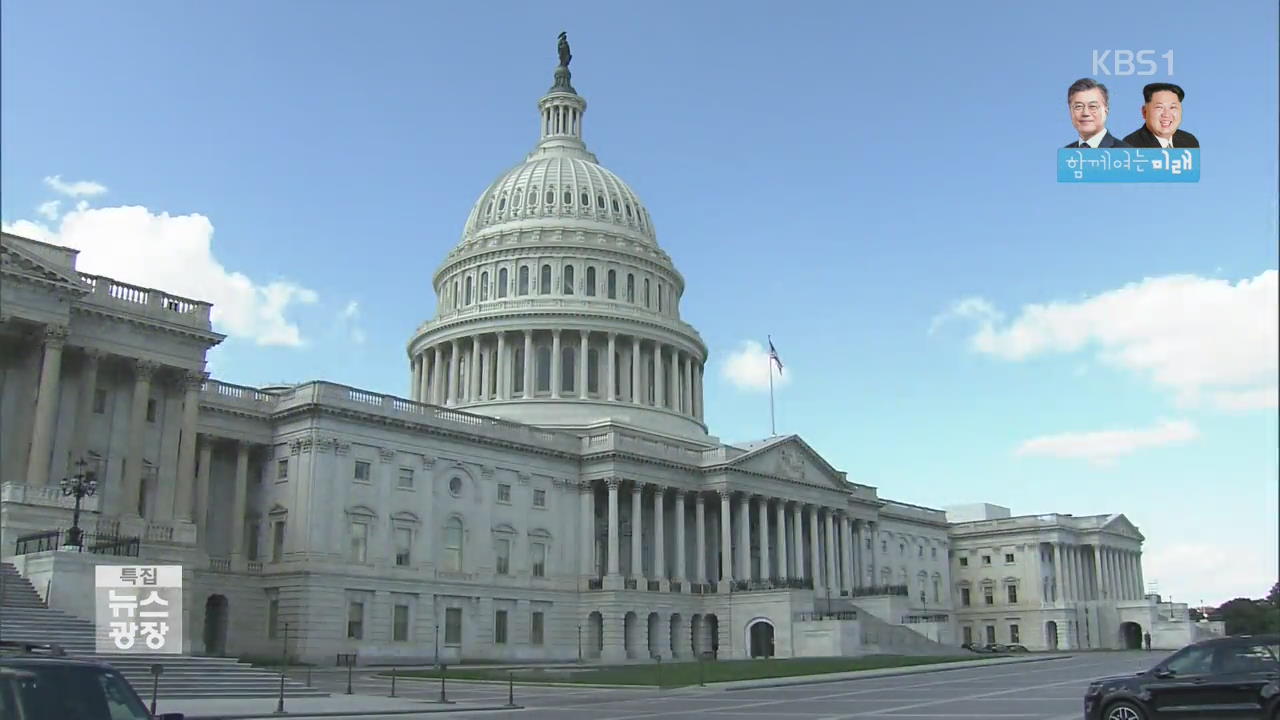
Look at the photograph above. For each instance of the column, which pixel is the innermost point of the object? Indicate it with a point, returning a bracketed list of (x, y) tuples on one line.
[(847, 569), (1073, 567), (611, 381), (636, 395), (815, 548), (501, 381), (584, 354), (659, 551), (676, 390), (688, 384), (555, 363), (726, 538), (415, 376), (700, 527), (486, 370), (137, 429), (680, 546), (185, 489), (659, 389), (697, 390), (1099, 570), (202, 488), (1057, 572), (238, 504), (84, 405), (800, 567), (451, 374), (528, 364), (637, 533), (1142, 586), (612, 483), (744, 539), (473, 376), (784, 564), (829, 525), (586, 517), (439, 377), (766, 573), (424, 376), (873, 565), (1135, 586), (55, 337)]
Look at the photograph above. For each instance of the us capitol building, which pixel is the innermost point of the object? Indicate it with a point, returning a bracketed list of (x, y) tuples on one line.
[(545, 489)]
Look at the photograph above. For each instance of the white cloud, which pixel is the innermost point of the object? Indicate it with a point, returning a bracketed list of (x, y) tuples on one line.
[(748, 368), (1191, 335), (86, 188), (1103, 446), (349, 321), (49, 210), (179, 259), (1215, 573), (1239, 400)]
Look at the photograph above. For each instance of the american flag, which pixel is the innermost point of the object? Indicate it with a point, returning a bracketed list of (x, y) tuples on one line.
[(773, 356)]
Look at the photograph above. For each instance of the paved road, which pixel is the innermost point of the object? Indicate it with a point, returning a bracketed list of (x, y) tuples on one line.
[(1049, 690)]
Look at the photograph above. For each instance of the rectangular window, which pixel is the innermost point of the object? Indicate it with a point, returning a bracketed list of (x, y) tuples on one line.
[(591, 281), (1013, 594), (989, 596), (400, 624), (1013, 633), (920, 551), (538, 559), (404, 546), (991, 633), (362, 471), (99, 401), (500, 627), (405, 479), (359, 542), (251, 541), (1008, 557), (277, 541), (968, 635), (964, 562), (282, 468), (504, 493), (355, 620), (453, 626), (986, 559), (964, 597), (504, 556), (535, 629), (934, 552), (540, 498), (273, 618), (151, 411)]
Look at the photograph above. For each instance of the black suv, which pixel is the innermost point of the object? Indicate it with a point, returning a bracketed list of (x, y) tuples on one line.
[(37, 682), (1230, 677)]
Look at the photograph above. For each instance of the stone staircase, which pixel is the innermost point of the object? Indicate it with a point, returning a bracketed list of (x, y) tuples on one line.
[(23, 617), (884, 637)]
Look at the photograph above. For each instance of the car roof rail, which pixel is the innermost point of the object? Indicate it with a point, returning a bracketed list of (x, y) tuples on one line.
[(53, 649)]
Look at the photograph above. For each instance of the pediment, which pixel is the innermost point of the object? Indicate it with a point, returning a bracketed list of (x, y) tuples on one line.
[(790, 458), (23, 262), (1120, 525)]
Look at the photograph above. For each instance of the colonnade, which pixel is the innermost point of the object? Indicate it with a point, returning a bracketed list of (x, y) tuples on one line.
[(758, 539), (1097, 572), (556, 363)]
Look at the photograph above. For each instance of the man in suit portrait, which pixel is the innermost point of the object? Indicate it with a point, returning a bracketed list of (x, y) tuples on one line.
[(1162, 114), (1088, 103)]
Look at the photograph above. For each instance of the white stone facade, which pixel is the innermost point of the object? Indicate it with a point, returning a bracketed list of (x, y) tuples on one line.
[(545, 490)]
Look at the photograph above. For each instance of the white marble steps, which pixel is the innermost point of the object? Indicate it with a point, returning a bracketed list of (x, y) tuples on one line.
[(15, 590)]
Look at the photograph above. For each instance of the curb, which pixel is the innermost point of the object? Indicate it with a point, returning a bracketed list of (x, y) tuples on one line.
[(360, 713), (871, 674)]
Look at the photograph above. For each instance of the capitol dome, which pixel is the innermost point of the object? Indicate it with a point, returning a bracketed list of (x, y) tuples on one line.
[(557, 307)]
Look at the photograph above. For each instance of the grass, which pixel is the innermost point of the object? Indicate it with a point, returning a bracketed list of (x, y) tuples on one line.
[(679, 674)]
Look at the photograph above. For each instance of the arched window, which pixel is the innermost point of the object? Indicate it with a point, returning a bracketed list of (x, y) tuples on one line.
[(484, 286), (550, 197), (628, 211), (533, 197), (614, 202), (543, 369), (591, 282), (453, 544), (455, 294), (488, 209), (466, 297), (568, 280), (568, 198), (613, 284), (646, 292), (502, 203), (515, 201), (600, 201), (502, 283), (586, 200), (522, 287), (659, 297), (617, 372), (544, 282), (593, 371), (517, 369), (567, 373), (631, 288)]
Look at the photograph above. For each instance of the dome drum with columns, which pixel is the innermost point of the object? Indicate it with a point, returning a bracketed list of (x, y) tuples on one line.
[(558, 308)]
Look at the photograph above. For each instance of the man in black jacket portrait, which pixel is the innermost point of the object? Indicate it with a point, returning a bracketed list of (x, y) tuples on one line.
[(1162, 114), (1089, 105)]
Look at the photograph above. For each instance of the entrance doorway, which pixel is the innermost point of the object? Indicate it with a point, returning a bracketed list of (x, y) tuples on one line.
[(215, 625), (760, 633), (1131, 636), (1051, 635)]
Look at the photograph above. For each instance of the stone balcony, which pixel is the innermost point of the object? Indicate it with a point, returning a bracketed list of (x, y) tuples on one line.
[(151, 303)]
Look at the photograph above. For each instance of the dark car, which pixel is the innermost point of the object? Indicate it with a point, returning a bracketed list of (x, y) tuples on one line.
[(35, 686), (1231, 677)]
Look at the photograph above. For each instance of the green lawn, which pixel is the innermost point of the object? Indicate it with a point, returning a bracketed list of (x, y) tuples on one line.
[(685, 673)]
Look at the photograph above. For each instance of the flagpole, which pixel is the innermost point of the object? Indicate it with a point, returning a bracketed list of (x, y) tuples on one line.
[(773, 429)]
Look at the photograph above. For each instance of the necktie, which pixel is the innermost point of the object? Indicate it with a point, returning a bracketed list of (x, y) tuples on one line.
[(1084, 144)]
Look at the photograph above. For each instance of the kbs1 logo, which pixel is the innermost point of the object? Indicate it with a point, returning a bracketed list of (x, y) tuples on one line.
[(1127, 62)]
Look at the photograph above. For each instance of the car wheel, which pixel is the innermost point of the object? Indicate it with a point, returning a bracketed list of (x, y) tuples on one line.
[(1124, 710)]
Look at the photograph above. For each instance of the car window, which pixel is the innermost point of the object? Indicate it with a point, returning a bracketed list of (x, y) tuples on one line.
[(81, 692), (1245, 658), (121, 702), (1191, 661)]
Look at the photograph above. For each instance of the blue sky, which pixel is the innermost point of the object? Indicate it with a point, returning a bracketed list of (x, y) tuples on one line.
[(872, 184)]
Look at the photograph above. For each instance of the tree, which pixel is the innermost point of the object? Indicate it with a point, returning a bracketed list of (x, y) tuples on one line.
[(1273, 597), (1248, 617)]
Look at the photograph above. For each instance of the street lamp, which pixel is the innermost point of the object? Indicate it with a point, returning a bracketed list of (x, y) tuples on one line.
[(579, 643), (81, 485)]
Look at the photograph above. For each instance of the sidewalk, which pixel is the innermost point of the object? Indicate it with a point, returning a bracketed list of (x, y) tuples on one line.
[(326, 707), (881, 672)]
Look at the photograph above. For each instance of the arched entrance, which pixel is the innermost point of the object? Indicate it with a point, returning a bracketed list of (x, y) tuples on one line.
[(630, 635), (1051, 635), (215, 625), (695, 635), (760, 638), (595, 635), (712, 624), (677, 647), (655, 635), (1131, 636)]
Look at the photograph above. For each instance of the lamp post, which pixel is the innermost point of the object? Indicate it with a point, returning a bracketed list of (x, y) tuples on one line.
[(81, 485), (579, 643)]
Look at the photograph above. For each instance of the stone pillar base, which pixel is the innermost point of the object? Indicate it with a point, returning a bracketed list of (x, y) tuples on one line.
[(664, 585), (723, 586), (612, 582)]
